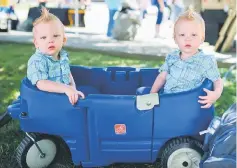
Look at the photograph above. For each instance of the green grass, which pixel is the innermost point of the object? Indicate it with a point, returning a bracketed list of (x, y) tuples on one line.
[(13, 64)]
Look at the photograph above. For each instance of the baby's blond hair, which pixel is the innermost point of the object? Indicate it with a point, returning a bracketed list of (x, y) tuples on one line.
[(190, 15), (45, 17)]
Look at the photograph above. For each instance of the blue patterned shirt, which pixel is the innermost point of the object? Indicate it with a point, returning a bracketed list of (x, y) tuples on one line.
[(45, 67), (188, 74)]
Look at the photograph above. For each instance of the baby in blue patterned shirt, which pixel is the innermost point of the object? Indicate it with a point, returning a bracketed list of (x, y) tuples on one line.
[(48, 68), (187, 67)]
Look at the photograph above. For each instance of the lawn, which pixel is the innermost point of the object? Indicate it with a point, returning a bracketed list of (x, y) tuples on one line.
[(13, 64)]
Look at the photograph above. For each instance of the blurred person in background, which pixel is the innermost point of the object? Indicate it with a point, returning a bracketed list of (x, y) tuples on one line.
[(127, 21), (177, 8), (11, 16), (143, 5), (113, 6), (83, 4), (160, 4)]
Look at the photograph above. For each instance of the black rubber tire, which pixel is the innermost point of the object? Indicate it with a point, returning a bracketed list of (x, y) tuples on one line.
[(13, 162), (26, 143), (176, 144), (157, 164)]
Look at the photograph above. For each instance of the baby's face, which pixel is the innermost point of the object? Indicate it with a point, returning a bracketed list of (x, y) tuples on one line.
[(188, 36), (49, 37)]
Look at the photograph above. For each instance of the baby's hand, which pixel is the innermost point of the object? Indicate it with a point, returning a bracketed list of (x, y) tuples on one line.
[(209, 99), (73, 94)]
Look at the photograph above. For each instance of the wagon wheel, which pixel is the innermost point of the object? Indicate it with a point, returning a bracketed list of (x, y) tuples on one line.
[(13, 162), (182, 153), (28, 156)]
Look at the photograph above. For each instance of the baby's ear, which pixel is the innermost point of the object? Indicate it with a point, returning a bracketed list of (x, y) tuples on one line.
[(64, 40), (35, 43), (175, 39), (203, 39)]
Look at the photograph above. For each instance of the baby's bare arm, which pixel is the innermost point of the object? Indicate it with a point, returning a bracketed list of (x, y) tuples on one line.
[(159, 82), (51, 86), (72, 82), (218, 87)]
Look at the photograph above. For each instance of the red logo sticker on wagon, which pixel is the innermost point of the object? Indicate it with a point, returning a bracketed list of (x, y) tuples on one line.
[(120, 129)]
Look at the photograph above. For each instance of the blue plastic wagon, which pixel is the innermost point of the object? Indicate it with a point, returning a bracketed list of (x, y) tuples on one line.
[(107, 127)]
